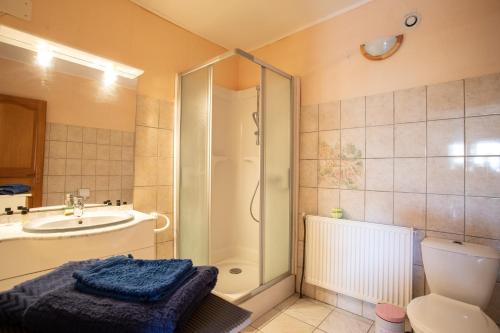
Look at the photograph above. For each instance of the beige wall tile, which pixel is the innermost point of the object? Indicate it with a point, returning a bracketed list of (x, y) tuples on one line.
[(327, 200), (379, 174), (329, 144), (146, 141), (481, 218), (103, 152), (308, 200), (445, 175), (352, 112), (114, 196), (127, 153), (445, 213), (146, 171), (145, 199), (88, 167), (115, 153), (127, 182), (329, 116), (353, 143), (89, 135), (410, 175), (380, 109), (55, 199), (75, 134), (328, 174), (101, 168), (352, 174), (45, 184), (58, 132), (102, 183), (410, 210), (148, 110), (89, 151), (74, 150), (89, 182), (308, 173), (56, 183), (379, 207), (101, 196), (482, 95), (164, 203), (128, 196), (418, 237), (165, 143), (115, 138), (493, 309), (57, 149), (167, 235), (379, 141), (309, 145), (445, 137), (115, 183), (165, 171), (444, 235), (115, 168), (73, 167), (46, 148), (127, 168), (483, 135), (309, 118), (352, 204), (128, 138), (482, 176), (410, 140), (445, 100), (418, 281), (57, 166), (45, 166), (410, 105), (73, 184), (165, 250), (103, 136), (166, 117)]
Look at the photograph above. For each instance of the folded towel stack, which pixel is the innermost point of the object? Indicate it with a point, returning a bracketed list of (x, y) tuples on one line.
[(127, 279), (11, 189)]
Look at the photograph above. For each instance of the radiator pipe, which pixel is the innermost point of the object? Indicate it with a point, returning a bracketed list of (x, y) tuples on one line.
[(304, 216)]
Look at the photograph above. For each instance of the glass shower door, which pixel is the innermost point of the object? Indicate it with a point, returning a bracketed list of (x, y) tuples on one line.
[(276, 169), (194, 180)]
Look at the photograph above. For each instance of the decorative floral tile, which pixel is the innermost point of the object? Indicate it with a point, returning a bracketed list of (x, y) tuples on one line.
[(329, 145), (352, 174), (329, 173)]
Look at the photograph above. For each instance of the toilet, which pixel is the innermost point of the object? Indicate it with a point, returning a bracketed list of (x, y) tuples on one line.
[(461, 277)]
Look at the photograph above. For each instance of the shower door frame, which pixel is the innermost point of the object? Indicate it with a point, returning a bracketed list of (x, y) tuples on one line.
[(294, 102)]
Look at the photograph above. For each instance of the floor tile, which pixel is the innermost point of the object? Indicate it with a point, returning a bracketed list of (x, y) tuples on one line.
[(287, 302), (287, 324), (266, 318), (309, 311), (340, 321)]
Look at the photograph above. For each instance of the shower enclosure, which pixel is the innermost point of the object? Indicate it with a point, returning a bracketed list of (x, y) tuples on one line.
[(234, 185)]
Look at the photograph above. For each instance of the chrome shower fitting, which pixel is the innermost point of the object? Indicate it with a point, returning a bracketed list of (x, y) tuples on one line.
[(255, 116)]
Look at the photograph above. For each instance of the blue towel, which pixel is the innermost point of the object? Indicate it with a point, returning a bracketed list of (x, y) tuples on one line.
[(134, 280), (66, 310), (11, 189)]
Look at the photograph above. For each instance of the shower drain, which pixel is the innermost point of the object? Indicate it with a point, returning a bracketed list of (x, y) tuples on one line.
[(235, 270)]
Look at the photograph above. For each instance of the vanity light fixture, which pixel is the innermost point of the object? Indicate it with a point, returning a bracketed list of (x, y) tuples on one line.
[(381, 48), (46, 50)]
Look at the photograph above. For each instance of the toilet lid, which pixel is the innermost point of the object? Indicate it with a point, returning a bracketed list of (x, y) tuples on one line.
[(438, 314)]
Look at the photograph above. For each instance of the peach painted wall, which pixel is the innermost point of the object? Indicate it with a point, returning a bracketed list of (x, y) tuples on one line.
[(122, 31), (456, 39)]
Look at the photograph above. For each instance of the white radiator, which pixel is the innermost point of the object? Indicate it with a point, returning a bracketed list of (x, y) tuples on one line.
[(368, 261)]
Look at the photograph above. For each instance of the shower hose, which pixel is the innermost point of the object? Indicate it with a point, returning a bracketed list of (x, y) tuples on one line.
[(251, 202)]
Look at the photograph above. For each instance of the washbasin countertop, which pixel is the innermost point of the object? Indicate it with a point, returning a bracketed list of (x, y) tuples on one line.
[(14, 230)]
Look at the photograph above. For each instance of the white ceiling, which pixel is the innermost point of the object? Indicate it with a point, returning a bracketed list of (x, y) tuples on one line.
[(247, 24)]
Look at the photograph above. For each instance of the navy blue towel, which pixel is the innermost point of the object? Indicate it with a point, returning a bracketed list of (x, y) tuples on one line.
[(11, 189), (134, 280)]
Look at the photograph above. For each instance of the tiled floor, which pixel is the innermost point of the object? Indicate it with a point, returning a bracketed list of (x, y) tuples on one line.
[(306, 315)]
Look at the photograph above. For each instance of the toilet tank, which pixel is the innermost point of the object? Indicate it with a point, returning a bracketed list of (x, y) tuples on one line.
[(462, 271)]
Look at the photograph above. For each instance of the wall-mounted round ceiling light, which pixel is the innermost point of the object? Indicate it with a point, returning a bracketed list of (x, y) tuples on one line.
[(411, 20), (381, 48)]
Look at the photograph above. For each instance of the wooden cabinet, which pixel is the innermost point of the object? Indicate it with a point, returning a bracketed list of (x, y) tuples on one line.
[(22, 140)]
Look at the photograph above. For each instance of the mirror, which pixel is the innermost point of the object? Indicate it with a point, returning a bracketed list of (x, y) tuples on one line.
[(67, 122)]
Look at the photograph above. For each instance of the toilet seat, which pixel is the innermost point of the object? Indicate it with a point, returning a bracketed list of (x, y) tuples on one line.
[(438, 314)]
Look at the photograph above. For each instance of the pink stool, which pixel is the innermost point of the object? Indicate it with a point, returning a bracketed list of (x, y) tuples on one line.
[(390, 319)]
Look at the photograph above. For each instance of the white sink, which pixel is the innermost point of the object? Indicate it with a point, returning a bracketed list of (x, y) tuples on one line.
[(89, 220)]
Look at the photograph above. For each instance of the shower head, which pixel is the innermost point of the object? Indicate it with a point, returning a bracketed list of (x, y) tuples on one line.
[(255, 116)]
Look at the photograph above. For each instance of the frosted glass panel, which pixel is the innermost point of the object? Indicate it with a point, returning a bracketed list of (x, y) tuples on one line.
[(193, 186), (277, 122)]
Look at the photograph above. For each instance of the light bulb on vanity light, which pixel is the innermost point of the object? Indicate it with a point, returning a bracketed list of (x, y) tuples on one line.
[(44, 55), (109, 76)]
